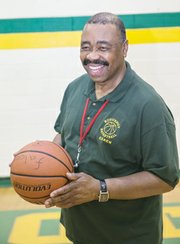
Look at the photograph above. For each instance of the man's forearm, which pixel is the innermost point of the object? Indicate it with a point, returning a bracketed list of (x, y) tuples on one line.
[(57, 139), (138, 185)]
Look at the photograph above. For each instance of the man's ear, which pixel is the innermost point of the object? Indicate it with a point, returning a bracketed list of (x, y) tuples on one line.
[(125, 48)]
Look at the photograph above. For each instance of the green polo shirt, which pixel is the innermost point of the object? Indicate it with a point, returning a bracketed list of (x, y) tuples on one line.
[(135, 132)]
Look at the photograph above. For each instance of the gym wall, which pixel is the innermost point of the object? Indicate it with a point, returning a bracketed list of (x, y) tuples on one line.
[(39, 56)]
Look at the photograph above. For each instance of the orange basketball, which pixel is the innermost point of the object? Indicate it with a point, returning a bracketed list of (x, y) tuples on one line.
[(39, 168)]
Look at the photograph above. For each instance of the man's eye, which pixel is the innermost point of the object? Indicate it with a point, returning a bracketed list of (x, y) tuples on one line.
[(103, 49), (85, 48)]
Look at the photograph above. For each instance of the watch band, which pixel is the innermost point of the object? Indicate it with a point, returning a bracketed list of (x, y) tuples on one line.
[(103, 186), (104, 194)]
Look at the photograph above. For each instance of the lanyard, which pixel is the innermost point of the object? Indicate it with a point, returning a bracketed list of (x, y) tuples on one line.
[(84, 134)]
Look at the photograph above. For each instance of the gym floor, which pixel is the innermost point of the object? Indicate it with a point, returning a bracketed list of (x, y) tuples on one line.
[(25, 223)]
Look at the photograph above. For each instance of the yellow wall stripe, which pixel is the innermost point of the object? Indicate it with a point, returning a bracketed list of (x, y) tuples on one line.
[(72, 38), (154, 35), (40, 40)]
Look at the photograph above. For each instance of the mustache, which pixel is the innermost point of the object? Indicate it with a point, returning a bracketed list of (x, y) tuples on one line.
[(97, 61)]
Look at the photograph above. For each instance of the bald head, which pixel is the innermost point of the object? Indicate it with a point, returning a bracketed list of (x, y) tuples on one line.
[(109, 18)]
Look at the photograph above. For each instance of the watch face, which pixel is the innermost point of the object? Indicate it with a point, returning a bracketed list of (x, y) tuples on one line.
[(103, 196)]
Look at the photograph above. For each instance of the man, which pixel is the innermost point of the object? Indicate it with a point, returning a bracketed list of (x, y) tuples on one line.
[(121, 137)]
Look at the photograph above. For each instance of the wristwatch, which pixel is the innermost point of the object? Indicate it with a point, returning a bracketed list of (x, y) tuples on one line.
[(103, 194)]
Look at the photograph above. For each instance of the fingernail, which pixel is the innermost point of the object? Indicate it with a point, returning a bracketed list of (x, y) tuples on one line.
[(48, 204)]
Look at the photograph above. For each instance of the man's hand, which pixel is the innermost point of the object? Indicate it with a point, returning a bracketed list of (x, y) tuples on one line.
[(81, 189)]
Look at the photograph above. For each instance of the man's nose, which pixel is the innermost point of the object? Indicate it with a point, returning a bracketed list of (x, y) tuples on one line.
[(93, 55)]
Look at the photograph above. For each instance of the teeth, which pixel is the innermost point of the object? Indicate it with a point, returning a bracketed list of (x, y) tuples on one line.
[(95, 67)]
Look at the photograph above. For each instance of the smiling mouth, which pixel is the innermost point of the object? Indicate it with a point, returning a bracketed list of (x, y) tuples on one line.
[(95, 70)]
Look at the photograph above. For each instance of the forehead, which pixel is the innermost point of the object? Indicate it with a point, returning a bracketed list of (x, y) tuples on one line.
[(95, 33)]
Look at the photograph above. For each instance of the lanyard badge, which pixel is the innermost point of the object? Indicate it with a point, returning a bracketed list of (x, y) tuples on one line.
[(76, 163), (83, 135)]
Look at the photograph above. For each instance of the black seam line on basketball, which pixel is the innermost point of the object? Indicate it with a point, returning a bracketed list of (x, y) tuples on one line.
[(41, 176), (62, 149), (33, 197), (36, 151)]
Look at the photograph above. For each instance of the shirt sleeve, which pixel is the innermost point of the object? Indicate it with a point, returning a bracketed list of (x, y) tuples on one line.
[(59, 120), (159, 147)]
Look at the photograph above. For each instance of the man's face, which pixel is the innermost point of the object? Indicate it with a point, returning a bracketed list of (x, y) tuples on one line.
[(102, 52)]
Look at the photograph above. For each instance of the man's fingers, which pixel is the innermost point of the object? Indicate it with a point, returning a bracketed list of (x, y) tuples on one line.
[(61, 191), (72, 176), (49, 203)]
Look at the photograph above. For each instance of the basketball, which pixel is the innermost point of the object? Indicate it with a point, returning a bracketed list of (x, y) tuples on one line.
[(38, 169)]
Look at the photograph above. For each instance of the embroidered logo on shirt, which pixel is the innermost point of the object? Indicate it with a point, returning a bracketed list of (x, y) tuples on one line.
[(108, 132)]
